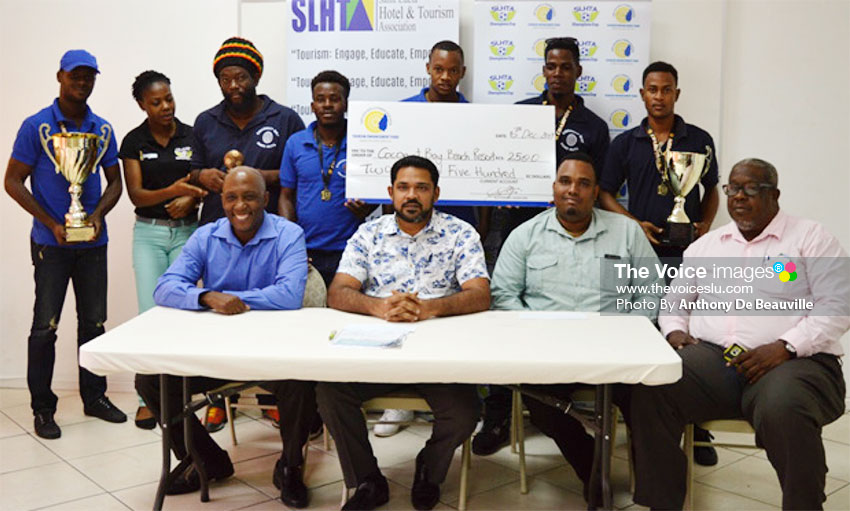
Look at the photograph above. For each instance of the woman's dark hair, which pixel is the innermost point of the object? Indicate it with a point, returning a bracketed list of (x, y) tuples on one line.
[(145, 80)]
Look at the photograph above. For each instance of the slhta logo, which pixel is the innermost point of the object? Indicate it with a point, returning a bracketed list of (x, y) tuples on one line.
[(332, 15)]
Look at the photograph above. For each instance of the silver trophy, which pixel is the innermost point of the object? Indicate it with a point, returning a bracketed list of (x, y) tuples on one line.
[(684, 170)]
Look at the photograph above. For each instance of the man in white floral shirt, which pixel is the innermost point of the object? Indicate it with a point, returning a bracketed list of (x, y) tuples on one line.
[(415, 264)]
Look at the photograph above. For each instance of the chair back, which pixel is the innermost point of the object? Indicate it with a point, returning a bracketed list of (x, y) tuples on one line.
[(315, 292)]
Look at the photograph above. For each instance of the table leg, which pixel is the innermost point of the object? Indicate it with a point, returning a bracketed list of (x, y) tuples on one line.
[(190, 444), (166, 448), (607, 413)]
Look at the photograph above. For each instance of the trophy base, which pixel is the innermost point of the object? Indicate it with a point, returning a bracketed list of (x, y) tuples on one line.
[(77, 234), (678, 235)]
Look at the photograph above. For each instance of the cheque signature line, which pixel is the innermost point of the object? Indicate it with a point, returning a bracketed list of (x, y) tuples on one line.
[(504, 192)]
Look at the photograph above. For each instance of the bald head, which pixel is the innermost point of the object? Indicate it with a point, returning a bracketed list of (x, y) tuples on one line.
[(245, 173), (243, 198)]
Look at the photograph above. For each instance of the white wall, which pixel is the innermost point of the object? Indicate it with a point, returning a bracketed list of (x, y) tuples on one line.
[(766, 79)]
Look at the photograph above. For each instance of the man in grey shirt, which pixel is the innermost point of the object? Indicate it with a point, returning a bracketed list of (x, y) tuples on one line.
[(569, 258)]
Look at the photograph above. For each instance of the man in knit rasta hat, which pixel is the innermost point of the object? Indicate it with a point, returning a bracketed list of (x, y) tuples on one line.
[(258, 128), (252, 124)]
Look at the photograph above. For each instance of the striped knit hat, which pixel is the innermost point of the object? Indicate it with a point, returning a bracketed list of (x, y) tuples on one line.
[(238, 52)]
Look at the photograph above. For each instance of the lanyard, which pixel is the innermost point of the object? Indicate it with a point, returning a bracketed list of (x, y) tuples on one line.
[(563, 121), (326, 178), (659, 160)]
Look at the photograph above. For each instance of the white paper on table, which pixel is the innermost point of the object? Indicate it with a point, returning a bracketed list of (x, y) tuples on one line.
[(375, 336), (553, 315)]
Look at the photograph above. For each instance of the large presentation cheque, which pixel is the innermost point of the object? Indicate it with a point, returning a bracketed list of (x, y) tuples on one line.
[(486, 154)]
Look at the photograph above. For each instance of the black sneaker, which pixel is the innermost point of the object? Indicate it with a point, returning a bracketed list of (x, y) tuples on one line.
[(704, 455), (104, 409), (492, 437), (45, 426)]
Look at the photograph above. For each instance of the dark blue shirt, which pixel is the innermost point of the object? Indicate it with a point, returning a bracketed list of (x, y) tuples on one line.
[(50, 188), (327, 224), (630, 158), (584, 131), (267, 273), (465, 213), (160, 166), (261, 143)]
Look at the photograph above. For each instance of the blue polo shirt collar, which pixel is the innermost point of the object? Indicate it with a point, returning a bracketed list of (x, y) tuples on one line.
[(88, 121), (680, 128), (311, 141), (225, 232), (423, 98), (596, 228)]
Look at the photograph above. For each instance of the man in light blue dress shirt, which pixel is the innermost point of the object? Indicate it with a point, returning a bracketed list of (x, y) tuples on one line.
[(565, 259), (410, 266), (249, 260)]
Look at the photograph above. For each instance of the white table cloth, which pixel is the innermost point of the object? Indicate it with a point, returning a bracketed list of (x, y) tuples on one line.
[(487, 347)]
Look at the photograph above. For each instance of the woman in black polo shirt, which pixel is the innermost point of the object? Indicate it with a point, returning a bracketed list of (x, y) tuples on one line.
[(156, 158)]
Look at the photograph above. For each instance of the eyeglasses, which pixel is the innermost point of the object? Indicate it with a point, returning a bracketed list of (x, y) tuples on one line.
[(750, 189)]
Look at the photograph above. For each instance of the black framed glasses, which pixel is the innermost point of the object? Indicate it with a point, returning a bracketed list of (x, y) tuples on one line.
[(750, 189)]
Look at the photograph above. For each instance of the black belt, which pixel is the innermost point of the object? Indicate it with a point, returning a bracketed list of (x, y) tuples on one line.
[(180, 222)]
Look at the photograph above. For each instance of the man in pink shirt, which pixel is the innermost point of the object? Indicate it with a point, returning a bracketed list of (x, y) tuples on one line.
[(788, 382)]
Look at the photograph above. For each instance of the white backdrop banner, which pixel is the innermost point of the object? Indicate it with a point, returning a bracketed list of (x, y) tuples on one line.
[(613, 41), (486, 154), (380, 45)]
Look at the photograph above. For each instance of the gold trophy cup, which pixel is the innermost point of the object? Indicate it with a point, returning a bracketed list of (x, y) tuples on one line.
[(75, 155), (232, 159), (684, 170)]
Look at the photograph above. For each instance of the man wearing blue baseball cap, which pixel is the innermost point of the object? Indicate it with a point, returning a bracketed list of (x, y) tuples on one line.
[(56, 260)]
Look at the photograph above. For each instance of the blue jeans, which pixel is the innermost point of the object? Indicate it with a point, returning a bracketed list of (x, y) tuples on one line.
[(54, 267), (155, 247)]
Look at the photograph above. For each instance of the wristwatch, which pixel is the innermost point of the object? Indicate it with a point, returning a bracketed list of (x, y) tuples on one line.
[(791, 349)]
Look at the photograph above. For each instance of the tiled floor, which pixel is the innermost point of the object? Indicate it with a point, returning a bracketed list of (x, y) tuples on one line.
[(103, 466)]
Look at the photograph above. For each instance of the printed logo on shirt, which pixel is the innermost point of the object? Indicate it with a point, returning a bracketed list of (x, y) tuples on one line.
[(147, 156), (570, 140), (267, 137), (183, 153), (340, 168)]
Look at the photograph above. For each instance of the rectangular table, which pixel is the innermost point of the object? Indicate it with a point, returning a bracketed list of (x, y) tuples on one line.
[(499, 347)]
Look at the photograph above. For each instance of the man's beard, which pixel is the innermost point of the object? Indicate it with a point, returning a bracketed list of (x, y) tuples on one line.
[(421, 217), (247, 102)]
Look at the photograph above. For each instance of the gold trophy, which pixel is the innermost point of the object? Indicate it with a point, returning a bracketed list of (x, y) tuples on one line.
[(233, 158), (684, 170), (75, 155)]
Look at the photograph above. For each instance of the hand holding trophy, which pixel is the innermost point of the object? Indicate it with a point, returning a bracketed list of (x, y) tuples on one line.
[(76, 155), (683, 171)]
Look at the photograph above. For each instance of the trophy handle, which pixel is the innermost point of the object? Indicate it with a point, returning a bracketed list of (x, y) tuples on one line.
[(44, 137), (709, 155), (106, 134)]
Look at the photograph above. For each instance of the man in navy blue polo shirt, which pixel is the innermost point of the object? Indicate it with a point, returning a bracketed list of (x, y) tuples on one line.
[(635, 158), (56, 260), (252, 124), (446, 69), (577, 129), (312, 177)]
